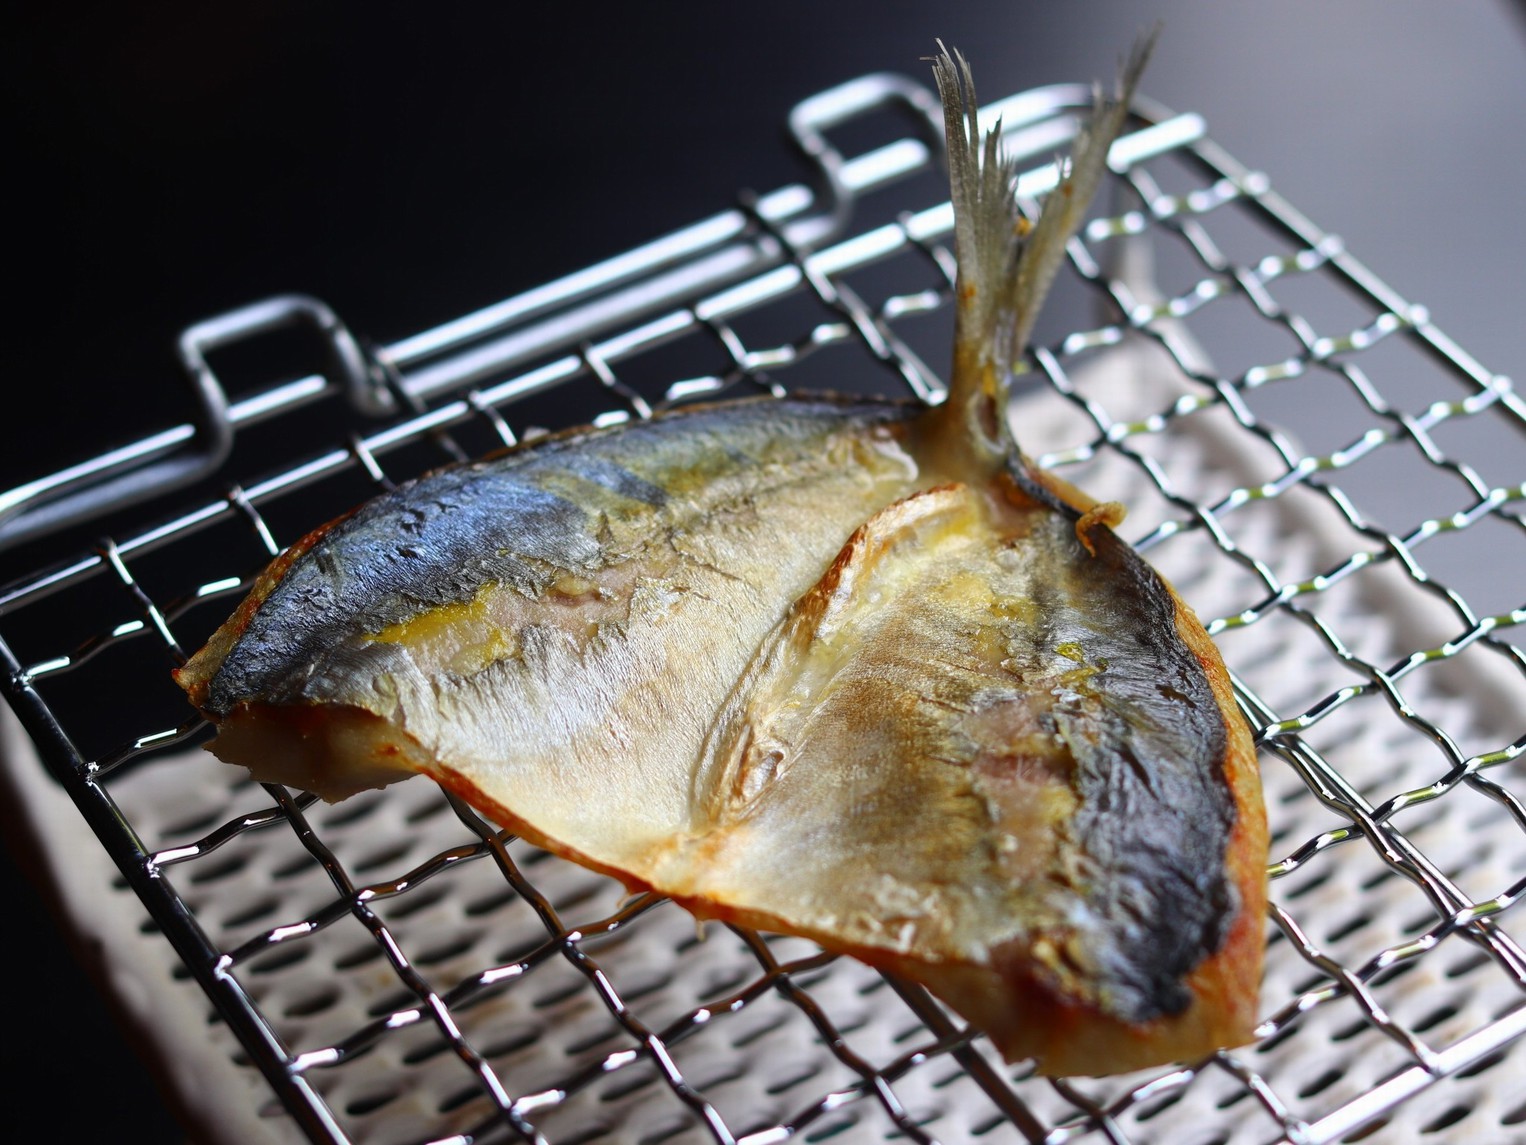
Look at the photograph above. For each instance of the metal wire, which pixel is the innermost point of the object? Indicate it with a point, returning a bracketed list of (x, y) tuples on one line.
[(862, 1058)]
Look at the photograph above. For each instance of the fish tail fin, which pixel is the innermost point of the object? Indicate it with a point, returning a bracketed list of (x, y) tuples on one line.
[(1007, 263)]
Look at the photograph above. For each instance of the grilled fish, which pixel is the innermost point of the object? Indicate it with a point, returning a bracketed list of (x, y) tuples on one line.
[(850, 669)]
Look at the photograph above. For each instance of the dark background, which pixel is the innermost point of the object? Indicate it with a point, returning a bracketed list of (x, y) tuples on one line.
[(166, 162)]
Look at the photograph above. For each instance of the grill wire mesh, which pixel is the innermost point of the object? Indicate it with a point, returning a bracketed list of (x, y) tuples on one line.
[(395, 969)]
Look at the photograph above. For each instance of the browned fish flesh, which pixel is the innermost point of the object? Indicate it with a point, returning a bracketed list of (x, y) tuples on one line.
[(850, 669)]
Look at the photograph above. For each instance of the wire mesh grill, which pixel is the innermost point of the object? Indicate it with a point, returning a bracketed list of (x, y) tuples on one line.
[(399, 970)]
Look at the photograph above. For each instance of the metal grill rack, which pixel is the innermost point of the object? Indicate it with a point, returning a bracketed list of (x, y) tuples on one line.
[(394, 969)]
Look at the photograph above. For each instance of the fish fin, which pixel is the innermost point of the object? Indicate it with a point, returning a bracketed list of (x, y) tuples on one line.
[(1108, 513), (1007, 263), (1065, 207)]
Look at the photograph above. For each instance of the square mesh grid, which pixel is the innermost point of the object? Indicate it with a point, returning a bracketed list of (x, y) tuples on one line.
[(399, 970)]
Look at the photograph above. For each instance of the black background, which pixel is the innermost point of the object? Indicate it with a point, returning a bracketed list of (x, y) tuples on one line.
[(408, 165)]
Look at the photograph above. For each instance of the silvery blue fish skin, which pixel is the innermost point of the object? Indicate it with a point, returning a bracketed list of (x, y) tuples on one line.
[(849, 669)]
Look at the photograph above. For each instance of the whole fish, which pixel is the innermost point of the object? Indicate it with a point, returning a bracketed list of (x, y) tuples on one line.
[(850, 669)]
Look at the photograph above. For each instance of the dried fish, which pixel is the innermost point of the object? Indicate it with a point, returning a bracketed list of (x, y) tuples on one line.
[(850, 669)]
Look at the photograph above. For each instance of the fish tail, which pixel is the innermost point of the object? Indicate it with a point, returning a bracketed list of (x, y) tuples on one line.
[(1006, 262)]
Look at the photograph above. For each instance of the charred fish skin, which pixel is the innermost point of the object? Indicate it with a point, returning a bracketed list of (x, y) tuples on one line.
[(1149, 750)]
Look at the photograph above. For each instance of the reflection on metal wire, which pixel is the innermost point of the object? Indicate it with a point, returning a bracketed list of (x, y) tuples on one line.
[(455, 1025)]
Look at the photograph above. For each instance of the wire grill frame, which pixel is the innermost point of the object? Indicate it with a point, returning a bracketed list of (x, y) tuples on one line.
[(799, 258)]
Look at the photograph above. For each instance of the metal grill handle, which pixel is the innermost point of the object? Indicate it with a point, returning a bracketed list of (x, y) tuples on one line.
[(177, 457)]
